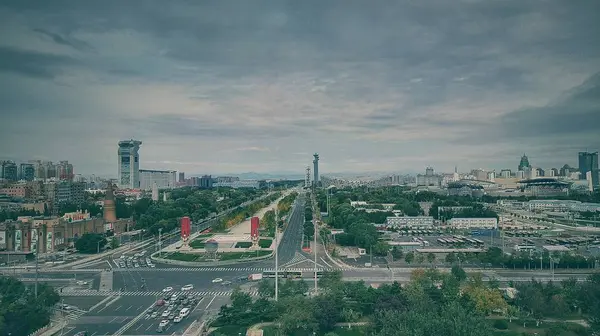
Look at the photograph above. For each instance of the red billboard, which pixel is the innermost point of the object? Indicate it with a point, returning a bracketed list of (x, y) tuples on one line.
[(185, 227), (254, 225)]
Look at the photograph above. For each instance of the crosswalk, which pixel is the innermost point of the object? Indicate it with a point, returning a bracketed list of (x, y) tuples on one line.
[(91, 292), (73, 313), (298, 258)]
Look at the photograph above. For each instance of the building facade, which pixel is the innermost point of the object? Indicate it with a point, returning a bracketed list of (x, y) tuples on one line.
[(129, 164), (9, 171), (403, 222), (429, 179), (473, 223), (26, 171), (164, 179)]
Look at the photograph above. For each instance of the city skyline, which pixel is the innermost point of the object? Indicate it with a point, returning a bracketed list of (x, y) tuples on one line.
[(232, 88)]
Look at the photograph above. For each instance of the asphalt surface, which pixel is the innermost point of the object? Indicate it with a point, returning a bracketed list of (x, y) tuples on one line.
[(292, 237)]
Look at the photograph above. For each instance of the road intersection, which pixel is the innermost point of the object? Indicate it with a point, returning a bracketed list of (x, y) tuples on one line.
[(123, 308)]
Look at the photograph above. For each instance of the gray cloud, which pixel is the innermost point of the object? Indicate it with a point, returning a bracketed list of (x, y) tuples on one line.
[(32, 64), (392, 86), (576, 112)]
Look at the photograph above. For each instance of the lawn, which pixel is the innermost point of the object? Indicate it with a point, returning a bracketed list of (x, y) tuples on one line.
[(242, 255), (265, 243), (515, 328), (220, 256), (243, 244), (197, 244)]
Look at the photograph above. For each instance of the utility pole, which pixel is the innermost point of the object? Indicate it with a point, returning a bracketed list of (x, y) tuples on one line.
[(276, 255)]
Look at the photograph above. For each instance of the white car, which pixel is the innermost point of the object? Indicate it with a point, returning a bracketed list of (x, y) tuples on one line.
[(177, 319), (217, 280), (187, 288), (168, 289), (163, 323), (81, 283), (166, 313)]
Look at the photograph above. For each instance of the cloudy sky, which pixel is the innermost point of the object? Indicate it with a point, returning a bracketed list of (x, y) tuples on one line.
[(237, 86)]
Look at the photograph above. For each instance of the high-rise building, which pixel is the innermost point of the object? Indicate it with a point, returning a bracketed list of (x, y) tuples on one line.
[(524, 163), (129, 164), (26, 171), (588, 162), (206, 182), (316, 169), (181, 177), (9, 171), (64, 170)]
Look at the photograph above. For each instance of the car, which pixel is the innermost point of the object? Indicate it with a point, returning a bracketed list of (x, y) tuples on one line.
[(152, 266), (226, 283), (167, 289), (174, 297), (217, 280), (187, 287), (166, 313), (163, 323), (81, 283), (154, 315), (171, 316), (177, 319)]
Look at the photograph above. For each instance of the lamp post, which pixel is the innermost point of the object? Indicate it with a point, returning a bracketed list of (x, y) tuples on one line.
[(37, 254), (159, 242), (276, 255)]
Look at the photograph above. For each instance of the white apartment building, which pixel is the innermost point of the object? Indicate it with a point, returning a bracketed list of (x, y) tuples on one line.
[(164, 179), (473, 223), (417, 221), (562, 205)]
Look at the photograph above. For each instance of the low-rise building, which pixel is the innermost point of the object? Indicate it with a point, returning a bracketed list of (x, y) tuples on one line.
[(473, 223), (406, 221), (19, 190), (164, 179)]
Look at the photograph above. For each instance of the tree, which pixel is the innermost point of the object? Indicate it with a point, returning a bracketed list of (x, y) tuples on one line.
[(21, 313), (114, 243), (430, 258), (419, 258), (90, 243), (458, 273), (409, 257), (450, 257)]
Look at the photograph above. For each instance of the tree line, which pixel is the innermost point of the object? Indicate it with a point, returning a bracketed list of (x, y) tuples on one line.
[(21, 312), (432, 303)]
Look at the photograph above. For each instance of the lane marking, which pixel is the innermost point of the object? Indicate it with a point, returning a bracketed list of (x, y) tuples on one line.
[(211, 301)]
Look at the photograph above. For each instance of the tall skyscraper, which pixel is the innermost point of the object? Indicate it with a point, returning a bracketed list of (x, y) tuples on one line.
[(588, 163), (316, 169), (129, 164)]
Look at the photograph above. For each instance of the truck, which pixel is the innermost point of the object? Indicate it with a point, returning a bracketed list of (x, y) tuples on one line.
[(255, 277)]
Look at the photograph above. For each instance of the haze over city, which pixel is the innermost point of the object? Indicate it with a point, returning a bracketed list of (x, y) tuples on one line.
[(232, 86)]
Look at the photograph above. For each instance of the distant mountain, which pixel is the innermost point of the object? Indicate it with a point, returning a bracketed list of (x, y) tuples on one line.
[(269, 176)]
